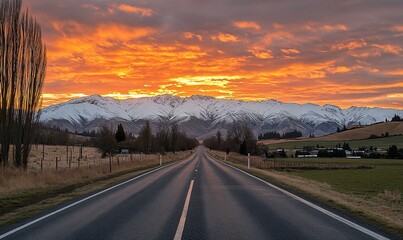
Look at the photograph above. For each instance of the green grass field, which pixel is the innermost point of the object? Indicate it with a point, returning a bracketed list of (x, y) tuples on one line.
[(354, 144), (364, 161), (362, 182), (386, 174)]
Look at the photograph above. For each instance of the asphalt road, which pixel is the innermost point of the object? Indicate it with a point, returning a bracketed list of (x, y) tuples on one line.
[(198, 198)]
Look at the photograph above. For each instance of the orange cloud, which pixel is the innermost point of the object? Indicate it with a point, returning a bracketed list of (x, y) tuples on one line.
[(145, 12), (388, 48), (122, 33), (189, 35), (339, 69), (251, 25), (351, 45), (398, 28), (225, 37), (318, 27), (290, 51), (269, 38), (261, 53)]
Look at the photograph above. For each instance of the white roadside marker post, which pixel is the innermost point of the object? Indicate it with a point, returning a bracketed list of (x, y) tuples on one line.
[(160, 160), (248, 160)]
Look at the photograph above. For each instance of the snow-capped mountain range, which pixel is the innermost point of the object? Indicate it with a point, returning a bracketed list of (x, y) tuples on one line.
[(201, 116)]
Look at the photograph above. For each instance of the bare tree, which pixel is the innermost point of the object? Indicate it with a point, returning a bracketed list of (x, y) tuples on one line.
[(219, 139), (145, 138), (163, 134), (106, 144), (174, 137), (22, 72)]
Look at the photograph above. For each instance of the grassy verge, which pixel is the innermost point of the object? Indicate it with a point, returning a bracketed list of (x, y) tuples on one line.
[(372, 195), (27, 202)]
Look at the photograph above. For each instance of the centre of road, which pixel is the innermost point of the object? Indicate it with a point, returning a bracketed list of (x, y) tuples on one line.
[(182, 221)]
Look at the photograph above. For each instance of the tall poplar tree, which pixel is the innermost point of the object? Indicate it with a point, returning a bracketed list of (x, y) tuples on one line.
[(22, 72)]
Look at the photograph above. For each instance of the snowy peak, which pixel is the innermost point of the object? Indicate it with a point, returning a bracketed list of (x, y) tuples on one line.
[(83, 113)]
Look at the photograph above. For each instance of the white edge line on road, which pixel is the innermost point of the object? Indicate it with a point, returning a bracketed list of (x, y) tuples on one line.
[(85, 199), (182, 221), (330, 214)]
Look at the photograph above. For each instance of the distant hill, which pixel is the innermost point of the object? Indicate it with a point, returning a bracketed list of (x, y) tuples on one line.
[(357, 133), (392, 128), (202, 116)]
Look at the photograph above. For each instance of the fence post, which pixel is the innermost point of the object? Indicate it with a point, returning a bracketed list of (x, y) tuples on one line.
[(110, 162), (43, 155), (248, 160)]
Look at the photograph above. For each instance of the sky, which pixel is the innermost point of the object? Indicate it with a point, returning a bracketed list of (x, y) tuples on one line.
[(346, 53)]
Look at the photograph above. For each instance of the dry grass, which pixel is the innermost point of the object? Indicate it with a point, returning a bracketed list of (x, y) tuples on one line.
[(385, 208), (391, 196), (13, 181)]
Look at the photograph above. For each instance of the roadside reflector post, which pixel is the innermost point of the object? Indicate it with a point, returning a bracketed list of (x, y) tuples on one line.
[(248, 160), (160, 160)]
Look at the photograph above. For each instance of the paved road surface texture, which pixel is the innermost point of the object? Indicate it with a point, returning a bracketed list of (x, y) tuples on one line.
[(198, 198)]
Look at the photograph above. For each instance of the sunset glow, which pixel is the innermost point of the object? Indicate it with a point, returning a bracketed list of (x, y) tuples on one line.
[(324, 52)]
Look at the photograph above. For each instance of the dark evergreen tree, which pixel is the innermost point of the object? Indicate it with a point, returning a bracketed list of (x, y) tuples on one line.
[(396, 118), (393, 152), (243, 149), (346, 146), (120, 134)]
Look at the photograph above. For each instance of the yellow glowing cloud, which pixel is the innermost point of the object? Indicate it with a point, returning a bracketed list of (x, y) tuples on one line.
[(145, 12), (340, 69), (251, 25), (225, 37), (218, 81)]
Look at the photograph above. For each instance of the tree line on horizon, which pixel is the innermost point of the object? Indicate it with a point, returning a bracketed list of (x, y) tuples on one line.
[(168, 138), (277, 135), (240, 138)]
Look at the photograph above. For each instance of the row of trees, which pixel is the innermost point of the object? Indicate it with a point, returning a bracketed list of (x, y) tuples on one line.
[(240, 138), (167, 139), (22, 72), (276, 135)]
